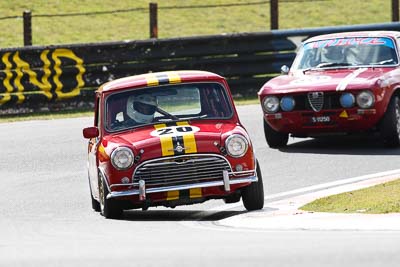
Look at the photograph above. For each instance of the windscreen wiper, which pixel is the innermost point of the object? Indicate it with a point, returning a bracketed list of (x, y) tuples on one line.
[(333, 64), (328, 65)]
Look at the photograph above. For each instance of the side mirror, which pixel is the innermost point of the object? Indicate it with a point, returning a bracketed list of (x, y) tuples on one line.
[(90, 132), (284, 70)]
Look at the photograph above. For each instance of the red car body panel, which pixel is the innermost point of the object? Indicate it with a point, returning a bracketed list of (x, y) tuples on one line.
[(381, 81), (156, 142)]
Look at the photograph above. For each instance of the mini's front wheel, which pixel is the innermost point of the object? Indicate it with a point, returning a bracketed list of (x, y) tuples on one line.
[(253, 194), (109, 208), (95, 203)]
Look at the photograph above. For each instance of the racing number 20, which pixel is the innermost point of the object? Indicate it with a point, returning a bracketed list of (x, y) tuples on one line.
[(179, 129)]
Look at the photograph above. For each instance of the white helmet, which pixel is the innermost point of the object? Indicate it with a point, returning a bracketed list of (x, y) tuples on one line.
[(333, 54), (141, 108)]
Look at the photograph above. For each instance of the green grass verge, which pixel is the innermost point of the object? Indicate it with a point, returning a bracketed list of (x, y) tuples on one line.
[(383, 198), (246, 101), (134, 25)]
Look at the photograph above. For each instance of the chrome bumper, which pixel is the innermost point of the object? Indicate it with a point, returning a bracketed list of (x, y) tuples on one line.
[(142, 191)]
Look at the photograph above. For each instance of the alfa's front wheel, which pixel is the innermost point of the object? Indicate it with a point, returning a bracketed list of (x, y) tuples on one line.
[(390, 125), (253, 194), (275, 139), (109, 208)]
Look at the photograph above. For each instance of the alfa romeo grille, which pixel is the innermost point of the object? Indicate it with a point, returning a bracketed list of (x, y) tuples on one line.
[(316, 100), (181, 170)]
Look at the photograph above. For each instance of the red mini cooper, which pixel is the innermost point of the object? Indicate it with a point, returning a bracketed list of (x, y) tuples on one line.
[(338, 84), (168, 139)]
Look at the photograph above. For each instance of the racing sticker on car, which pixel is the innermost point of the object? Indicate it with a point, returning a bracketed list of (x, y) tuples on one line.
[(346, 80), (310, 79), (176, 139), (162, 78), (350, 42)]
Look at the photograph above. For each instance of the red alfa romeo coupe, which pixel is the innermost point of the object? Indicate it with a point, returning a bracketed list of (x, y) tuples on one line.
[(338, 84), (168, 139)]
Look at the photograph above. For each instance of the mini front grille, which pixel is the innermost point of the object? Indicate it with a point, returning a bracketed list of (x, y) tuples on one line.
[(181, 170)]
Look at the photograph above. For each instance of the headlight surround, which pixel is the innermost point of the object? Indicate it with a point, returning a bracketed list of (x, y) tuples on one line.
[(236, 145), (122, 158), (347, 100), (365, 99), (271, 104), (287, 103)]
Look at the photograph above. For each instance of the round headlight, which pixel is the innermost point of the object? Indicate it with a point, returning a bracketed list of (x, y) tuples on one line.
[(236, 145), (365, 99), (347, 100), (287, 103), (122, 158), (271, 104)]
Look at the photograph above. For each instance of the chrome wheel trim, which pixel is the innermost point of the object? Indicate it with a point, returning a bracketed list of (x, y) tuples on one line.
[(101, 194)]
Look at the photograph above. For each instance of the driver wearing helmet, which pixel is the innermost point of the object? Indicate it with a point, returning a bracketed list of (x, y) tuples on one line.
[(333, 54), (141, 108)]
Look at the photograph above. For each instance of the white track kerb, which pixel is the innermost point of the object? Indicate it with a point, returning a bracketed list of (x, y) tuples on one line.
[(285, 214)]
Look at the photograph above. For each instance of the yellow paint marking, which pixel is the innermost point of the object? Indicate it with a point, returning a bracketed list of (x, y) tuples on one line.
[(195, 193), (173, 195), (344, 114), (167, 147), (17, 81), (173, 77), (151, 79), (6, 82), (188, 139), (66, 53), (44, 85)]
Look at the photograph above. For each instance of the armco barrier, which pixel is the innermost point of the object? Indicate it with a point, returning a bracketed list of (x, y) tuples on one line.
[(67, 75)]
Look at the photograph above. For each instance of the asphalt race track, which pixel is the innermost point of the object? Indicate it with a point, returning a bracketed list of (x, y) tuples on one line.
[(46, 218)]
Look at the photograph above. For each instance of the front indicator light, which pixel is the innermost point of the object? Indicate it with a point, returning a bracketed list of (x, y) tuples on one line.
[(236, 145), (366, 111), (239, 167)]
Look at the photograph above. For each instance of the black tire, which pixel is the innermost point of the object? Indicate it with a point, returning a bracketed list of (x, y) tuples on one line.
[(275, 139), (95, 203), (233, 198), (390, 125), (109, 208), (253, 194)]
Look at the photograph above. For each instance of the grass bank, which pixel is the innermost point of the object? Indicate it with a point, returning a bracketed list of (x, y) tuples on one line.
[(379, 199), (176, 18)]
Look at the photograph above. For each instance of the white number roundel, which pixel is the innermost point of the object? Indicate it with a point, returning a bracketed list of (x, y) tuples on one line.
[(175, 130)]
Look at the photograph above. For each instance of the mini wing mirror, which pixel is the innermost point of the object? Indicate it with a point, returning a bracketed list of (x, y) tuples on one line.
[(90, 132), (284, 70)]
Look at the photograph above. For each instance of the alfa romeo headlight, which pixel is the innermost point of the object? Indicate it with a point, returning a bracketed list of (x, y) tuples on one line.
[(347, 100), (287, 103), (122, 158), (236, 145), (365, 99), (271, 104)]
